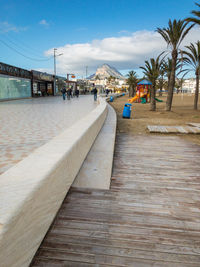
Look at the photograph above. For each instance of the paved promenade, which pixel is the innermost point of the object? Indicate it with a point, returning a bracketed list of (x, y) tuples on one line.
[(27, 124)]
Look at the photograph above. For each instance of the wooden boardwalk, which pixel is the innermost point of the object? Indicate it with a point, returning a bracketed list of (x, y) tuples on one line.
[(174, 129), (150, 217)]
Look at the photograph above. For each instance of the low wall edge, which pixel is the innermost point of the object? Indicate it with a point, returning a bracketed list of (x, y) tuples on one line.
[(29, 205)]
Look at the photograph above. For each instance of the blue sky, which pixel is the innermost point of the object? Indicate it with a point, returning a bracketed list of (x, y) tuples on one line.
[(86, 32)]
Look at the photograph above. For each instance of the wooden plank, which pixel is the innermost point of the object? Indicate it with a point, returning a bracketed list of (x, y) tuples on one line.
[(46, 262), (162, 129), (194, 124), (98, 258), (195, 130), (151, 128), (173, 129), (120, 243), (115, 252), (181, 129)]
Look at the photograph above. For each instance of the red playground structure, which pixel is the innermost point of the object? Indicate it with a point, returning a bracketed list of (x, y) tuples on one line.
[(142, 92)]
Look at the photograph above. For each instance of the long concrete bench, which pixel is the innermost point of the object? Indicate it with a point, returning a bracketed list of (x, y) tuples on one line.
[(32, 191)]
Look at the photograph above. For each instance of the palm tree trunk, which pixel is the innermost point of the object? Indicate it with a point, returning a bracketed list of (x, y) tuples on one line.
[(130, 91), (171, 81), (168, 76), (196, 96), (161, 86), (160, 92), (133, 91), (153, 101)]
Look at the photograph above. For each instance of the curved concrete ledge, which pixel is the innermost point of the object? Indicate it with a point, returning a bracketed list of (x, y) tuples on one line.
[(32, 191), (96, 170)]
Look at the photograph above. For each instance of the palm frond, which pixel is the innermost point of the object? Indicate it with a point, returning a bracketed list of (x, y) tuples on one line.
[(196, 18), (192, 55), (185, 32), (175, 32)]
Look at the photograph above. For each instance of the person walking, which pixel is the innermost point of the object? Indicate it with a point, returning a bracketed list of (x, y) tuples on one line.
[(107, 92), (76, 92), (69, 93), (72, 92), (95, 94), (63, 91)]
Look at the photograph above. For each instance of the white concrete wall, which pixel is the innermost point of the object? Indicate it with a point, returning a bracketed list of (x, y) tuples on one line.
[(33, 190)]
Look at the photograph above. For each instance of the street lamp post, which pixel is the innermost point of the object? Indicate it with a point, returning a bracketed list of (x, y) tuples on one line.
[(54, 55), (86, 71)]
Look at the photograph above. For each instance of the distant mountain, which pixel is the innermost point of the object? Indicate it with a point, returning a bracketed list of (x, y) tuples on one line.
[(106, 71)]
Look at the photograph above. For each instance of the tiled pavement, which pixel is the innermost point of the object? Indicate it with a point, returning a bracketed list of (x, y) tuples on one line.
[(27, 124)]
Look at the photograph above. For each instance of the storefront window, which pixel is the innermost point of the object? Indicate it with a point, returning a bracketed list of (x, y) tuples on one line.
[(14, 87)]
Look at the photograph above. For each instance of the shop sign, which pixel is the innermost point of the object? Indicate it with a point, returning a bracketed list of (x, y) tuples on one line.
[(42, 76), (14, 71)]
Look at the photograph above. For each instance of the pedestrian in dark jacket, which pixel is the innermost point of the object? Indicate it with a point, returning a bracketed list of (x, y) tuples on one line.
[(107, 92), (63, 91), (95, 93), (77, 93), (69, 93), (72, 92)]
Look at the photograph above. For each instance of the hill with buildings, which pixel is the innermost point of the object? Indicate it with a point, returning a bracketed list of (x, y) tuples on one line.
[(105, 71)]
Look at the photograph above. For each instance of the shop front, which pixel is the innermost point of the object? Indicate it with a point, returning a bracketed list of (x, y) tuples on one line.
[(43, 83), (14, 82)]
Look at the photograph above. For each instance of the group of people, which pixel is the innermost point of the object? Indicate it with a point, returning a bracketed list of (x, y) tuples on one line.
[(107, 91), (70, 93)]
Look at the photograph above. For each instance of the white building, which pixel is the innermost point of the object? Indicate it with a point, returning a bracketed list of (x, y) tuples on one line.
[(104, 82), (189, 85)]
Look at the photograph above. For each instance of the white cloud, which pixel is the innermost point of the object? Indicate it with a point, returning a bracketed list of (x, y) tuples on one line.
[(44, 23), (7, 27), (125, 52)]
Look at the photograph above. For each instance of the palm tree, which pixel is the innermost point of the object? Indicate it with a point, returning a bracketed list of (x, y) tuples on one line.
[(112, 82), (195, 19), (132, 82), (174, 35), (161, 80), (111, 78), (167, 66), (192, 58), (152, 72), (180, 81)]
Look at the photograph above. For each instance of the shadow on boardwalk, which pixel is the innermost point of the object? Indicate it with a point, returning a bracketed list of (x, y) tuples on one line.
[(150, 217)]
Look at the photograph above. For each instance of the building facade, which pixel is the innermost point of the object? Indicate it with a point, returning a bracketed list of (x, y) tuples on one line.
[(14, 82), (189, 85), (43, 83)]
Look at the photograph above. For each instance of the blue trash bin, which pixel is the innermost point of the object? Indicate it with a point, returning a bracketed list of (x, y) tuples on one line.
[(127, 111), (111, 99)]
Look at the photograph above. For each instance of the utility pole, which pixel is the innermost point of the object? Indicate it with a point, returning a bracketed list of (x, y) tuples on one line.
[(54, 55), (54, 85), (86, 71)]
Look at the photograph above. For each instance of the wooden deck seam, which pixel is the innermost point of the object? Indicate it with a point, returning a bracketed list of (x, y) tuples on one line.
[(128, 248)]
